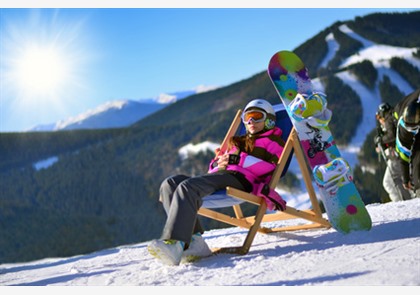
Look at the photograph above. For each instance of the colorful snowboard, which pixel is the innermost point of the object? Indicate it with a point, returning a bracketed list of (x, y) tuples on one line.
[(310, 117)]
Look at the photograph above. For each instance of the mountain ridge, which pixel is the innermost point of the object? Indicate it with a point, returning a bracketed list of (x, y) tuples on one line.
[(119, 113)]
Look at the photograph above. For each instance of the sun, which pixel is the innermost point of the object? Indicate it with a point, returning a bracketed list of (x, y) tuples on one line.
[(44, 58), (41, 70), (46, 65)]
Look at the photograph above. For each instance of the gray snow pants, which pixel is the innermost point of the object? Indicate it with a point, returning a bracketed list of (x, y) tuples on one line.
[(392, 182), (181, 197)]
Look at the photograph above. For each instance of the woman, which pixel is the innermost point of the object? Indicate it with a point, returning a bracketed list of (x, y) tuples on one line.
[(249, 162)]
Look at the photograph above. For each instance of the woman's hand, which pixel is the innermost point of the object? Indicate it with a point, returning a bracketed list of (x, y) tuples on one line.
[(223, 161), (407, 186)]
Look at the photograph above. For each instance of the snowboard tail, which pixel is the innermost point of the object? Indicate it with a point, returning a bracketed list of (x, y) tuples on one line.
[(310, 117)]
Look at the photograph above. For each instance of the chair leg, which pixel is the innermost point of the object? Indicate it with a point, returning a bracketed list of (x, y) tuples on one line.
[(254, 228), (244, 249)]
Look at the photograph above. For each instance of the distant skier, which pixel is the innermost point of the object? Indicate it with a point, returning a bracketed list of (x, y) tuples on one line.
[(385, 146)]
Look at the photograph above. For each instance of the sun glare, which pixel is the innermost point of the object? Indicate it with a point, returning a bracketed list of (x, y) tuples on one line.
[(44, 58), (45, 65), (41, 71)]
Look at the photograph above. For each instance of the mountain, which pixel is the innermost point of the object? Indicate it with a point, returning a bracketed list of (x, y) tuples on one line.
[(387, 255), (91, 189), (115, 114), (119, 113)]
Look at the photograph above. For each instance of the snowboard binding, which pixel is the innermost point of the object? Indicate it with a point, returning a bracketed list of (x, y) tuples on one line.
[(311, 108), (333, 175)]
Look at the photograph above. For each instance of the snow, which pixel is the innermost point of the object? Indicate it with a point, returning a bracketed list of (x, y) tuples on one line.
[(317, 85), (205, 88), (116, 105), (46, 163), (378, 54), (396, 79), (370, 100), (112, 114), (191, 149), (387, 255), (349, 32), (165, 98), (333, 47)]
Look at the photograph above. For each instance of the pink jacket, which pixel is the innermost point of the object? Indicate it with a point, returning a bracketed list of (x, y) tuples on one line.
[(257, 170)]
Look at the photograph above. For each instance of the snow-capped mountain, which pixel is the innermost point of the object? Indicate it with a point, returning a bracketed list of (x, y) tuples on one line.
[(111, 114), (119, 113)]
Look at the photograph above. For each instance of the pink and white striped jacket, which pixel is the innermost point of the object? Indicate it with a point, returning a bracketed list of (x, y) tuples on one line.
[(257, 166)]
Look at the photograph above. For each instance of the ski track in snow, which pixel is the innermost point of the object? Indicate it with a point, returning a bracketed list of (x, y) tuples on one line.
[(346, 30), (396, 79), (333, 47), (370, 101)]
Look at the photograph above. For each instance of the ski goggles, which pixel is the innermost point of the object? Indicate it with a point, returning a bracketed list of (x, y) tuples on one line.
[(254, 115), (410, 128)]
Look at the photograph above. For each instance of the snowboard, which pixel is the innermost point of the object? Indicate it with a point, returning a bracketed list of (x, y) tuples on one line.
[(310, 117)]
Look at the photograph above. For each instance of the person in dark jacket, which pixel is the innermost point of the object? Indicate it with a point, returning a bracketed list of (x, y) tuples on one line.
[(385, 146), (406, 118)]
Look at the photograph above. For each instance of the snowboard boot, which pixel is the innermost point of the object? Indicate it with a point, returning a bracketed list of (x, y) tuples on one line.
[(196, 250), (168, 251)]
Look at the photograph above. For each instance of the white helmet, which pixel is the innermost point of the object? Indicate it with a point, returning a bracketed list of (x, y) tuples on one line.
[(266, 107), (261, 104)]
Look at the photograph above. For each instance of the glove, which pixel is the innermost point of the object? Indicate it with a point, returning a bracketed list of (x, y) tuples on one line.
[(272, 198), (234, 159)]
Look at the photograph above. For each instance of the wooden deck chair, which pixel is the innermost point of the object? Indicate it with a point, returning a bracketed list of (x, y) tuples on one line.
[(234, 197)]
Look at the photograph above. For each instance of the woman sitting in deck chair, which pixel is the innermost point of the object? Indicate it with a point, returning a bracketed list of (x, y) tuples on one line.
[(247, 165)]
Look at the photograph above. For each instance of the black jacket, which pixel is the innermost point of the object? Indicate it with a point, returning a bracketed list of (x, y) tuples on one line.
[(389, 130), (407, 143)]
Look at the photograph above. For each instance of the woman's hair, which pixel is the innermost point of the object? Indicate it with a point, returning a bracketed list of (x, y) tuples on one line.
[(244, 143)]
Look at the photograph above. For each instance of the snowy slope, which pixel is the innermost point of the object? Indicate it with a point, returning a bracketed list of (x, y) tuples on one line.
[(387, 255)]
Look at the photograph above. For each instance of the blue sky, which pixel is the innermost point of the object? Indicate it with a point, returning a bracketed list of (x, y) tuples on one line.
[(98, 55)]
